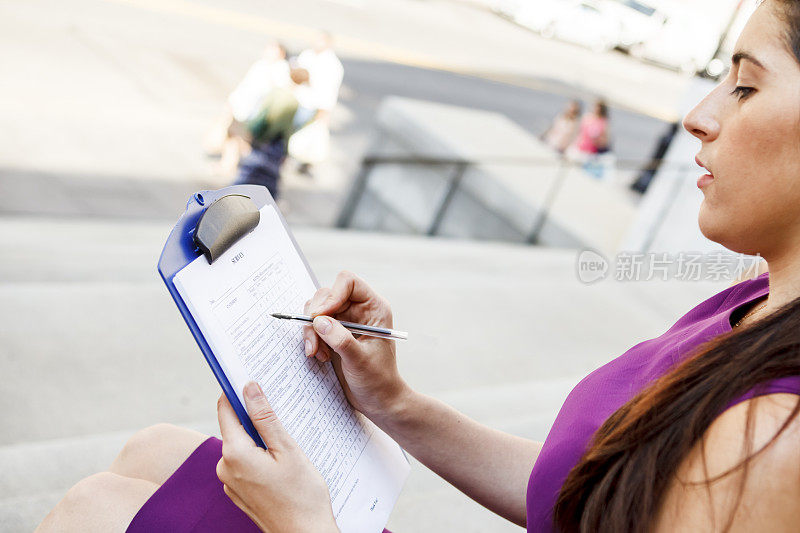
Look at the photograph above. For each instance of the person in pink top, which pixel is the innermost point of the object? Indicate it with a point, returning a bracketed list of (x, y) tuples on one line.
[(695, 430), (593, 131)]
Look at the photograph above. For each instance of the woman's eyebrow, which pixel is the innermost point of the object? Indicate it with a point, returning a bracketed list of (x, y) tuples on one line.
[(742, 55)]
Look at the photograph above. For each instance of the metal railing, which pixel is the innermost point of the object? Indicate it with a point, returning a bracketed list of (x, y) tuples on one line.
[(460, 167)]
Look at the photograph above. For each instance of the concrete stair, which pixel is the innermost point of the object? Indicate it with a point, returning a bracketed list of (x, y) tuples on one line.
[(93, 348)]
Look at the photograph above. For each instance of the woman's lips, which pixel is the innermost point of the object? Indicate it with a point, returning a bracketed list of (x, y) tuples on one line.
[(704, 180)]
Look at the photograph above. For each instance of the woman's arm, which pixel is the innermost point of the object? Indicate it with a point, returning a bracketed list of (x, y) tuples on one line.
[(770, 486), (487, 465)]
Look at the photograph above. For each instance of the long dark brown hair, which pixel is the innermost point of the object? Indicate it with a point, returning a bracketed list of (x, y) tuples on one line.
[(621, 480)]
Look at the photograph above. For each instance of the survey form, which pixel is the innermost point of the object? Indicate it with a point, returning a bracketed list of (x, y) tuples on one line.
[(231, 300)]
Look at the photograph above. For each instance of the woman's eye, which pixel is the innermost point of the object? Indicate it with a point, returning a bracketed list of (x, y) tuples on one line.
[(743, 92)]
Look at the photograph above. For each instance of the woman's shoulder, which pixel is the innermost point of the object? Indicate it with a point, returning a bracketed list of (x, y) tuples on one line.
[(765, 427), (768, 414), (772, 428)]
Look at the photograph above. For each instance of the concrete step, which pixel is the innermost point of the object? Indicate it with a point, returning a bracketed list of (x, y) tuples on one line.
[(309, 201)]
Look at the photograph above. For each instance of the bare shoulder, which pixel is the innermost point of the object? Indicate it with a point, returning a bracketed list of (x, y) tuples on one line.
[(771, 490)]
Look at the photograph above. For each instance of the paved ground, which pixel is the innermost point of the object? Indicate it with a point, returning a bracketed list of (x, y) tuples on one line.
[(97, 349)]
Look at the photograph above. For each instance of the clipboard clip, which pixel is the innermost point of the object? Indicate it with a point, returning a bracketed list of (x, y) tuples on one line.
[(223, 223)]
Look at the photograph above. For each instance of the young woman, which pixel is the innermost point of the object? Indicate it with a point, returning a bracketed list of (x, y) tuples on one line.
[(592, 136), (696, 430), (562, 131)]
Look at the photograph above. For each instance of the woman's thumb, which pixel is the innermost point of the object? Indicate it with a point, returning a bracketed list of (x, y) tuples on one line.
[(336, 336), (264, 418)]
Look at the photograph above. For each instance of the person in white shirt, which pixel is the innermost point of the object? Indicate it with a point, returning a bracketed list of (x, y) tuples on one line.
[(270, 71), (244, 103), (317, 100)]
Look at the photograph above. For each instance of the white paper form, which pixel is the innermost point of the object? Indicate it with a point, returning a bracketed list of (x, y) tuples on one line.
[(231, 301)]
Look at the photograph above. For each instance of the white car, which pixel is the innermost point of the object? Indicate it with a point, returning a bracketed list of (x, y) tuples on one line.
[(639, 21), (670, 46), (536, 15), (583, 22), (507, 8)]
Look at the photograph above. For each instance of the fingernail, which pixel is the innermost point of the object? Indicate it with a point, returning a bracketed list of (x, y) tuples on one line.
[(322, 325), (308, 347), (252, 390)]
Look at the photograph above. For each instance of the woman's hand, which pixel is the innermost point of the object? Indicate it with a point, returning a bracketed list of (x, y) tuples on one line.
[(278, 488), (367, 366)]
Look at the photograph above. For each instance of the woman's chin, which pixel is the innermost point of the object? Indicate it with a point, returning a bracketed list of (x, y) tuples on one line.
[(713, 228), (726, 234)]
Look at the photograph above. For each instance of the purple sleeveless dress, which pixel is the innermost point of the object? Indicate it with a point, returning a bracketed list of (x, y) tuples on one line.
[(606, 389)]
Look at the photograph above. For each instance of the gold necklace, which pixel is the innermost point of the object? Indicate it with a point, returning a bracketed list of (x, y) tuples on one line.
[(750, 313)]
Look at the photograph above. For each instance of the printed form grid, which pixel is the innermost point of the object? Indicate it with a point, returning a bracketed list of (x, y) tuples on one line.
[(272, 352)]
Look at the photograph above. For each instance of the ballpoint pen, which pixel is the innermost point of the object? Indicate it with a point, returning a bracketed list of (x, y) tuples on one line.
[(360, 329)]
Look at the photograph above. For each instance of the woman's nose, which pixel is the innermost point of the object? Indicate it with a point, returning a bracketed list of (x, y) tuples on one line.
[(701, 122)]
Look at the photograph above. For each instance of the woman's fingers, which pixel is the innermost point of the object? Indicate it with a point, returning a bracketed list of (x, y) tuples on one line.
[(230, 493), (311, 342), (265, 420), (339, 339), (324, 353), (323, 300), (313, 346), (230, 427), (348, 288)]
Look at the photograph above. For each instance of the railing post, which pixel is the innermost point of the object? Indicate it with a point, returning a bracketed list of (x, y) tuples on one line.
[(550, 199), (454, 183), (678, 181), (356, 193)]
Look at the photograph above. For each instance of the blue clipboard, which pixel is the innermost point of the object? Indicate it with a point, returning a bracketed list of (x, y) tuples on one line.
[(181, 249)]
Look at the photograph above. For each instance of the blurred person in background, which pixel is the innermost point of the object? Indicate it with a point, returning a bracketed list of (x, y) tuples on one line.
[(268, 72), (593, 134), (561, 133), (317, 100), (697, 429), (268, 133), (593, 140)]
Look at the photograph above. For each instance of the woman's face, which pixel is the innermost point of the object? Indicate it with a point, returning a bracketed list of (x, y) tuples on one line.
[(573, 109), (749, 126)]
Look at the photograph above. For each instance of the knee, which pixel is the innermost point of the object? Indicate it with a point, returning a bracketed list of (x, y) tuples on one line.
[(156, 433), (159, 437), (145, 439), (137, 445), (101, 502), (86, 490), (154, 452), (79, 501)]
